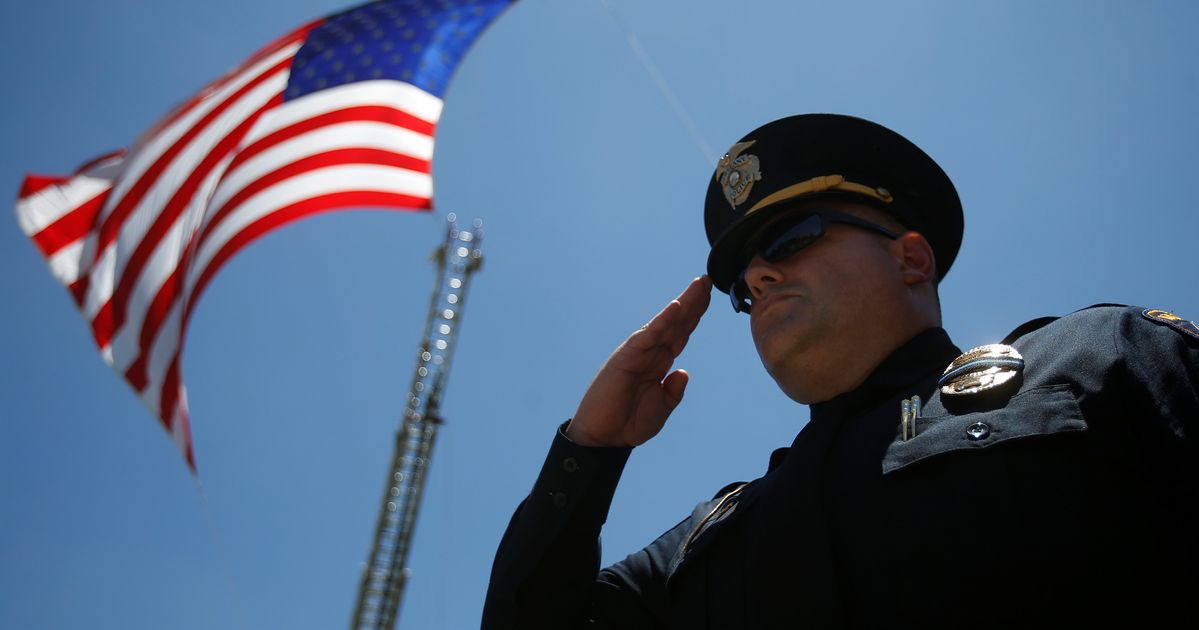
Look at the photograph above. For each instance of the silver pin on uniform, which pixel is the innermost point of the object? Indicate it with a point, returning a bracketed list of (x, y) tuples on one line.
[(909, 411)]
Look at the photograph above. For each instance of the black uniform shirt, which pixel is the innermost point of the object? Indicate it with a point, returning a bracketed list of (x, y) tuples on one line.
[(1068, 497)]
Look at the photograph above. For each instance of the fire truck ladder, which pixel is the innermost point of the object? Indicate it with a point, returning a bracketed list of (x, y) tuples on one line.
[(385, 573)]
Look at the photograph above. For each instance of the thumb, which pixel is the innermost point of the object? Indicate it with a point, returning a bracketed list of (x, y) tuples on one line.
[(673, 387)]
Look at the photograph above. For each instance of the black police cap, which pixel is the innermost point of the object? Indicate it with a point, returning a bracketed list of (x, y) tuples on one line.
[(815, 156)]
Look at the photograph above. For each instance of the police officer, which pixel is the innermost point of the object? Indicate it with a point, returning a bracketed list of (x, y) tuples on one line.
[(1046, 479)]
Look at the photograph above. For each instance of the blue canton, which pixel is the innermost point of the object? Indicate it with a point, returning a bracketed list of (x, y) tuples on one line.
[(416, 41)]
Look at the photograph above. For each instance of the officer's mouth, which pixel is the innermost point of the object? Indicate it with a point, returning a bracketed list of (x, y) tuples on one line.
[(765, 304)]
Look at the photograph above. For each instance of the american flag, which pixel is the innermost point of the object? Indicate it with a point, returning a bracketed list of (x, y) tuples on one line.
[(338, 114)]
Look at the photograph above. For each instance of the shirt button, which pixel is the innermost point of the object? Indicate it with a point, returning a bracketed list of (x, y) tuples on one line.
[(559, 499), (570, 465), (978, 431)]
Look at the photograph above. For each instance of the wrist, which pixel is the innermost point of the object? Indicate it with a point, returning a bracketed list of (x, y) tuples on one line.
[(580, 437)]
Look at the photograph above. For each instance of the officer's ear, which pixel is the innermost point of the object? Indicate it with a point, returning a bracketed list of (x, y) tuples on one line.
[(915, 258)]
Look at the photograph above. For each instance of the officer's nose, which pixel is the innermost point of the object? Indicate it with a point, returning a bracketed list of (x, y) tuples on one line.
[(760, 275)]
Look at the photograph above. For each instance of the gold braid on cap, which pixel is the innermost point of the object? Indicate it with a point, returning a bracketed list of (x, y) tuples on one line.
[(817, 184)]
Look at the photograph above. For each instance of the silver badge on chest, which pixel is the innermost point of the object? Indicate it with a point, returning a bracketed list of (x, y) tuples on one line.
[(981, 369)]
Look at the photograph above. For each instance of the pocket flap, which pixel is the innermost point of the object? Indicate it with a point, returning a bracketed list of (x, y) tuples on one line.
[(1040, 411)]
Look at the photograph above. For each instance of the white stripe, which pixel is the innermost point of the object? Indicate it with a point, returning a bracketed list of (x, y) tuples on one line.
[(162, 352), (134, 228), (100, 280), (353, 177), (394, 94), (159, 266), (64, 263), (39, 210), (369, 135), (142, 156), (180, 430), (332, 179)]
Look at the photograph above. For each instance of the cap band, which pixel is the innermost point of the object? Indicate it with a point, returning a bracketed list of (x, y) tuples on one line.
[(817, 184)]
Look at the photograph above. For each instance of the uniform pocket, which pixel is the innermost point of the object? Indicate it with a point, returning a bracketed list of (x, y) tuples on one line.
[(1041, 411)]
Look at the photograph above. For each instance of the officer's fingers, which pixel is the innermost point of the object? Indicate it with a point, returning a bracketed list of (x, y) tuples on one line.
[(682, 314), (661, 329), (694, 302), (672, 325)]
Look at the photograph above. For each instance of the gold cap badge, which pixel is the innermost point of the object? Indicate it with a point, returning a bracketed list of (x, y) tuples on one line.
[(737, 173), (981, 369)]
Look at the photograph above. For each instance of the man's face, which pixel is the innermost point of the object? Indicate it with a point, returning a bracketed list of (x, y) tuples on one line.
[(822, 310)]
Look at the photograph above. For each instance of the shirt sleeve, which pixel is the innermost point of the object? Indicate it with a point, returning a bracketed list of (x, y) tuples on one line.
[(546, 571)]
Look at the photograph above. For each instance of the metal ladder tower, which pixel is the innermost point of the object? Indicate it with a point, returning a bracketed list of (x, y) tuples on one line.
[(386, 571)]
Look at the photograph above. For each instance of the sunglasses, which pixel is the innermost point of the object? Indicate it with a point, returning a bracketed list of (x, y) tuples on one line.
[(781, 239)]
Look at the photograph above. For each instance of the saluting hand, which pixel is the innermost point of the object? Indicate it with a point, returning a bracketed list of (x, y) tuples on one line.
[(631, 396)]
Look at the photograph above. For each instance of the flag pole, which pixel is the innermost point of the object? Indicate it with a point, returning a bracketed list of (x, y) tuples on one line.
[(385, 572)]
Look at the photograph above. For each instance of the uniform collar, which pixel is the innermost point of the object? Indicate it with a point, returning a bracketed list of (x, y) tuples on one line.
[(923, 355)]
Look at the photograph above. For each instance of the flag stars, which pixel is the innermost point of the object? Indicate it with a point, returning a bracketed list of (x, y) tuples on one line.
[(386, 46), (357, 49), (366, 60), (397, 58)]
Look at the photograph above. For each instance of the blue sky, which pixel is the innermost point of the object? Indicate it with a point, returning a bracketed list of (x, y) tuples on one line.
[(1068, 128)]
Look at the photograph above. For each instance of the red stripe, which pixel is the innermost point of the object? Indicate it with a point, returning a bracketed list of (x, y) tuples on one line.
[(169, 399), (94, 162), (367, 113), (156, 313), (170, 291), (103, 329), (311, 163), (293, 212), (36, 183), (170, 395), (70, 227), (172, 386), (112, 224), (225, 79), (78, 290)]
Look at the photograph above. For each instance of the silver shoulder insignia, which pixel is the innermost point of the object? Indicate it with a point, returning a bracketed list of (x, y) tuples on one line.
[(981, 369)]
